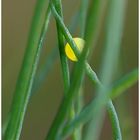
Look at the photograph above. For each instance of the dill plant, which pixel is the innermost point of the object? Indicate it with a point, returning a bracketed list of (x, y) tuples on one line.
[(69, 122)]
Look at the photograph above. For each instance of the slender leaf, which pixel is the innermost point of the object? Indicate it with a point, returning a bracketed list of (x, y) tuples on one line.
[(64, 63), (27, 73), (124, 83), (114, 91)]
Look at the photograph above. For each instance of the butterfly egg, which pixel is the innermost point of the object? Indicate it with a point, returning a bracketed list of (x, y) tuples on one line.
[(69, 52)]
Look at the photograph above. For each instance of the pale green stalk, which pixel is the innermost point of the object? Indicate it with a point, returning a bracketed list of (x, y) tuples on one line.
[(117, 88), (27, 73)]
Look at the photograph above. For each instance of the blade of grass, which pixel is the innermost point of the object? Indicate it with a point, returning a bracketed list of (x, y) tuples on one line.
[(27, 73), (115, 90)]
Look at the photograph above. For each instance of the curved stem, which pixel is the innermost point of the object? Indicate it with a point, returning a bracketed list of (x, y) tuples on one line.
[(116, 89), (110, 107), (114, 121)]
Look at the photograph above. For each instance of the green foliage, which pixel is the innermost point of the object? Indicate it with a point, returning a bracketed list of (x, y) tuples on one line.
[(27, 73), (67, 121)]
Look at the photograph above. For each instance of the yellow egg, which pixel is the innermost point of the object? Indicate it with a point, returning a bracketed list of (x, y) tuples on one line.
[(69, 52)]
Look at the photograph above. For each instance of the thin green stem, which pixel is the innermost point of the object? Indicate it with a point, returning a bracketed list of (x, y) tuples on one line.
[(113, 92), (114, 121), (64, 30), (64, 63), (110, 107), (27, 73)]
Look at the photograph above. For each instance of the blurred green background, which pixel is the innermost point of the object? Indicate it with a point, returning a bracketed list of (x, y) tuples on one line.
[(16, 19)]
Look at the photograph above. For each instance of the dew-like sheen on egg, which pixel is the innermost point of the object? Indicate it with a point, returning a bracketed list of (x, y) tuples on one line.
[(69, 52)]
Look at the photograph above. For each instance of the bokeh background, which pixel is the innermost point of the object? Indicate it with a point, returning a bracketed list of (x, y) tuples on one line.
[(16, 19)]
